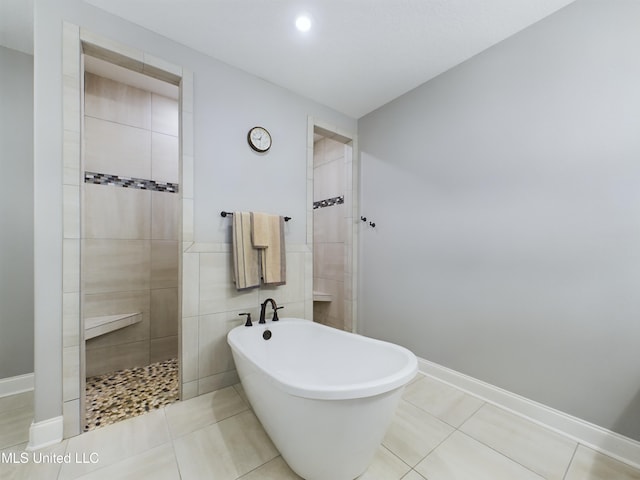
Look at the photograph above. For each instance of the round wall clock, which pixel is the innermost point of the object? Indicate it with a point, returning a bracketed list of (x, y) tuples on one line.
[(259, 139)]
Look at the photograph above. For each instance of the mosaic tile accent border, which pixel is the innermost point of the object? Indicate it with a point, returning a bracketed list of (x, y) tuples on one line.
[(129, 182), (329, 202)]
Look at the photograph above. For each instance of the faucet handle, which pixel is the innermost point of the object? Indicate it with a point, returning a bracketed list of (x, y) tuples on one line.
[(275, 314), (248, 315)]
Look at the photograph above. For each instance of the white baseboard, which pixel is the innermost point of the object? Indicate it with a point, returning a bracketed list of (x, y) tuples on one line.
[(605, 441), (17, 384), (45, 433)]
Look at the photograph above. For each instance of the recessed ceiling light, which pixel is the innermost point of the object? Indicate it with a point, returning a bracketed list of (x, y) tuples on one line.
[(303, 23)]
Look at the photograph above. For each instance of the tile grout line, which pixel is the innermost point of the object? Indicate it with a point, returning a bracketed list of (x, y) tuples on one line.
[(566, 471), (502, 454)]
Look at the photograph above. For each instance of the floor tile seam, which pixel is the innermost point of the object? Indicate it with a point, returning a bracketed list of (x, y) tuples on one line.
[(175, 455), (395, 455), (205, 425), (6, 447), (433, 450), (442, 420), (93, 472), (259, 466), (414, 471), (566, 471), (604, 453), (128, 456), (503, 454)]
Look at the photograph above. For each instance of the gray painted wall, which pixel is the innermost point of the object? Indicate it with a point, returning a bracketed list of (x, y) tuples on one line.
[(507, 202), (16, 213), (227, 102)]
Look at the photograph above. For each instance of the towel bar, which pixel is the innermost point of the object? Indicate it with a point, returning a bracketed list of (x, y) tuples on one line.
[(224, 214)]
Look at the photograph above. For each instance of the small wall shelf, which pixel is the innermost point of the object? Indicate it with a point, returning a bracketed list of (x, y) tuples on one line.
[(321, 296), (96, 326)]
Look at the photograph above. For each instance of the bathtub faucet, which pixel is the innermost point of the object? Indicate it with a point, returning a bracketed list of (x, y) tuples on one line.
[(263, 309)]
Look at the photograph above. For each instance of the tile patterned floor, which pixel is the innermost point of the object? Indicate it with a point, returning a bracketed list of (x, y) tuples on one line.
[(439, 433), (127, 393)]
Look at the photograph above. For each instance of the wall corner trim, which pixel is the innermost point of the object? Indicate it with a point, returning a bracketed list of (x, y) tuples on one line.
[(45, 433), (17, 384), (600, 439)]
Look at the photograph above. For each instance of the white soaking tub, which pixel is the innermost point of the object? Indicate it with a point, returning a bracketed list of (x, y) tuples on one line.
[(324, 396)]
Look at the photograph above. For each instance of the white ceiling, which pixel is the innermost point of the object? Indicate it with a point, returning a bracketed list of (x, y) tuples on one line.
[(358, 55)]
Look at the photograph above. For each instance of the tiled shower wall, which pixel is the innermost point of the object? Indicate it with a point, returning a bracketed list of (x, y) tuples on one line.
[(330, 232), (130, 235)]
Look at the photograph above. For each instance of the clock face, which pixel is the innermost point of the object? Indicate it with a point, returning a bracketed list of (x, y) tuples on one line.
[(259, 139)]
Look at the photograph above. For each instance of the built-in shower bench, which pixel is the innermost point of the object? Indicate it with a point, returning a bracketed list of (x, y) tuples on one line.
[(96, 326)]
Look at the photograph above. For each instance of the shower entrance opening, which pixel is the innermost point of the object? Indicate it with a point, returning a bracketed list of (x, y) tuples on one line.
[(334, 231), (130, 236)]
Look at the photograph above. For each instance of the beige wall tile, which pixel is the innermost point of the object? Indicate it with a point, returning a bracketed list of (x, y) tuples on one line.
[(165, 157), (217, 291), (71, 157), (71, 103), (186, 90), (217, 381), (189, 357), (186, 183), (187, 220), (131, 301), (70, 319), (165, 216), (293, 290), (71, 50), (71, 418), (329, 224), (329, 261), (164, 115), (295, 310), (116, 213), (164, 312), (114, 101), (187, 133), (164, 264), (71, 372), (117, 357), (70, 265), (189, 390), (214, 353), (190, 284), (116, 265), (163, 349), (117, 149)]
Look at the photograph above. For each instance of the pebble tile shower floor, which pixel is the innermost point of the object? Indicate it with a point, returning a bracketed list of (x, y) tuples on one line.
[(127, 393)]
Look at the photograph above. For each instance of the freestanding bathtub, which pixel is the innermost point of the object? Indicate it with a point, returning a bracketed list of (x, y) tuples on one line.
[(324, 396)]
